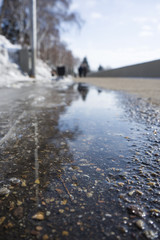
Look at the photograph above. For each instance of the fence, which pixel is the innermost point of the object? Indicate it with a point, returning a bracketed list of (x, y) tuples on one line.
[(144, 70)]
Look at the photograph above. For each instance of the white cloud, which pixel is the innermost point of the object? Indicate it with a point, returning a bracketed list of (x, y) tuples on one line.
[(158, 6), (74, 6), (96, 15), (154, 20), (91, 3), (146, 27), (143, 20), (146, 33), (158, 27), (140, 19), (146, 30)]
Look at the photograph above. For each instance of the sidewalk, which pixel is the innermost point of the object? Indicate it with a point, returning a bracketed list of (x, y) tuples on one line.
[(77, 162)]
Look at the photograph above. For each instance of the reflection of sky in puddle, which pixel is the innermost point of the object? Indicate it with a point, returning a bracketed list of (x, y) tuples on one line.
[(101, 124), (99, 110), (96, 107)]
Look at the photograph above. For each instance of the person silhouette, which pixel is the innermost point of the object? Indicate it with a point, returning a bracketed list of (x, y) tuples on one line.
[(80, 70)]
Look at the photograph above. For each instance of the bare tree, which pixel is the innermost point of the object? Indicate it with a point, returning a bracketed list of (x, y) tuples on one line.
[(15, 22), (54, 12), (58, 55)]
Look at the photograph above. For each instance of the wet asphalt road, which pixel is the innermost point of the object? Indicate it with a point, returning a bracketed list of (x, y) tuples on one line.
[(78, 162)]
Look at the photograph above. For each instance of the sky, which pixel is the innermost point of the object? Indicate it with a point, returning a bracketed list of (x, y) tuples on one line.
[(115, 33)]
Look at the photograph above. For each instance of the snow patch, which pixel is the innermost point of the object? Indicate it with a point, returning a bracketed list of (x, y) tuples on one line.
[(12, 76)]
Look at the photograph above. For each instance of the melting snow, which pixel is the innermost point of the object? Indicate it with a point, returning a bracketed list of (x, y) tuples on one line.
[(11, 74)]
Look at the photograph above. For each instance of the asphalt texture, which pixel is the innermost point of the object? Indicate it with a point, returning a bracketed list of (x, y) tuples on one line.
[(78, 162)]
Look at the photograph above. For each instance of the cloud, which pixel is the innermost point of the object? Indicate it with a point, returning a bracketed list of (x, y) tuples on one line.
[(96, 15), (143, 20), (74, 6), (140, 19), (146, 33), (158, 6), (146, 27), (91, 3), (158, 27)]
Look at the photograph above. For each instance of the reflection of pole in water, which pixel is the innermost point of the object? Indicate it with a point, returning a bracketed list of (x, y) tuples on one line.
[(36, 159)]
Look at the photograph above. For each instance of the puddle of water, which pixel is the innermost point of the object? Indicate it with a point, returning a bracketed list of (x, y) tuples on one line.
[(101, 125)]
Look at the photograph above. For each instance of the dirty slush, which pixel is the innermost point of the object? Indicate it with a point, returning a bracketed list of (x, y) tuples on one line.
[(78, 163)]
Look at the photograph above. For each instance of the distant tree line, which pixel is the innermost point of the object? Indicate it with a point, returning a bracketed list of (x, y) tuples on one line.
[(101, 68), (51, 14)]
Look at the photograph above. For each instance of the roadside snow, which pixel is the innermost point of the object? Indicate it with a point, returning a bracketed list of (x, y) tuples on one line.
[(10, 72)]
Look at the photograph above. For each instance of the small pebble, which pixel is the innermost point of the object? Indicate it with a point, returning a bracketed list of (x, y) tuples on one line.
[(149, 234), (140, 224), (14, 180), (4, 191)]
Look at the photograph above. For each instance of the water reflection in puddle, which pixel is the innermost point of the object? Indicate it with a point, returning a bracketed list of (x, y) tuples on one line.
[(101, 123)]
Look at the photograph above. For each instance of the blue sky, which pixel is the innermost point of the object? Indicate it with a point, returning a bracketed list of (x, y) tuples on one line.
[(116, 32)]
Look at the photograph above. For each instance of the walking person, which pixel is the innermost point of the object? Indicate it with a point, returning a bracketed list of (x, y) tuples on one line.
[(80, 70)]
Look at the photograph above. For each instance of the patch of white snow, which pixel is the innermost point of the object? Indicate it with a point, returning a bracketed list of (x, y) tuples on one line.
[(12, 76)]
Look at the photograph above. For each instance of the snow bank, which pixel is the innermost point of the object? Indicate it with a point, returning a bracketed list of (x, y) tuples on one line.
[(43, 71), (10, 73), (9, 70)]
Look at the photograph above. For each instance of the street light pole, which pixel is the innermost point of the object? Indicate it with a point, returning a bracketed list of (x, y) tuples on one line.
[(33, 37)]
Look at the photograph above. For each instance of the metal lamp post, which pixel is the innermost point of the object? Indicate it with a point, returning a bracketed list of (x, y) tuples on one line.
[(33, 37)]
